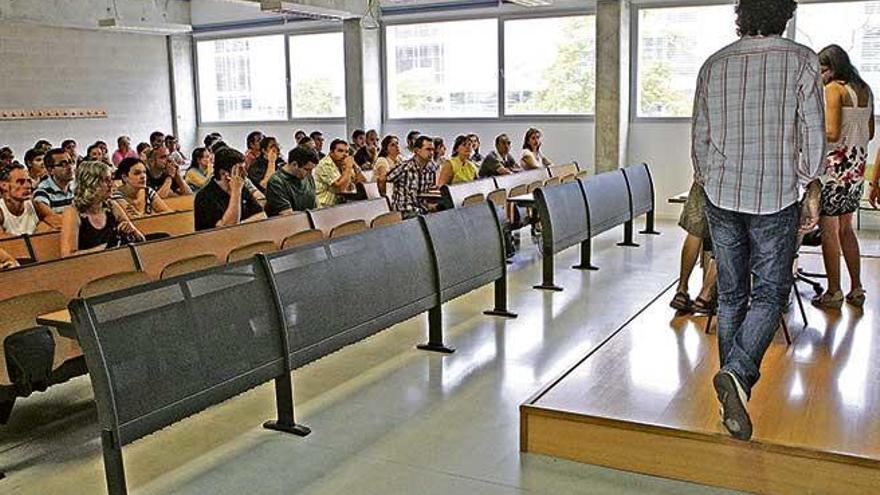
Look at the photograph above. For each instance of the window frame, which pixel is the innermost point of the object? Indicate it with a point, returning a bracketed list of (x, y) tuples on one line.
[(501, 115), (286, 34)]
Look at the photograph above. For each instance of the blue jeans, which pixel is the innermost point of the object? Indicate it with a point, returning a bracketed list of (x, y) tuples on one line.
[(754, 254)]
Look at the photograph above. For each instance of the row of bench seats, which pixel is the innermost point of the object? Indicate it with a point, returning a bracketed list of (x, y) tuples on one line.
[(576, 212), (46, 246), (455, 195), (32, 290), (196, 340)]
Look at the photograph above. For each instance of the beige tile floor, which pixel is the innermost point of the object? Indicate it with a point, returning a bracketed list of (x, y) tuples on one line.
[(386, 418)]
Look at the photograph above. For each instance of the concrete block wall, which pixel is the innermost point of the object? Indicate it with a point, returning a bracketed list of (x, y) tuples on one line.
[(127, 74)]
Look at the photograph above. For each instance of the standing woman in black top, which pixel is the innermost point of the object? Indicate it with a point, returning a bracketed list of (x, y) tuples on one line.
[(93, 222)]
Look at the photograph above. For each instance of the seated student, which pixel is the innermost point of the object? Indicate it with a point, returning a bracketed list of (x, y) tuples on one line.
[(261, 169), (292, 188), (123, 150), (143, 151), (256, 193), (212, 138), (157, 139), (33, 159), (532, 157), (134, 196), (366, 156), (69, 146), (95, 153), (175, 155), (440, 152), (413, 177), (93, 222), (253, 147), (163, 175), (459, 168), (200, 169), (224, 200), (298, 135), (389, 158), (43, 145), (18, 215), (7, 261), (55, 193), (499, 161), (318, 138), (411, 137), (6, 157), (358, 141), (476, 157), (335, 173)]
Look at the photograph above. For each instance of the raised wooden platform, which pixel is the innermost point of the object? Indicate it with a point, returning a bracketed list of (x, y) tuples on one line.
[(644, 402)]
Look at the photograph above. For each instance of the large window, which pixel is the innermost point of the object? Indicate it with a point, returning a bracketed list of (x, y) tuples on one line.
[(317, 75), (242, 79), (442, 69), (856, 28), (672, 46), (549, 65)]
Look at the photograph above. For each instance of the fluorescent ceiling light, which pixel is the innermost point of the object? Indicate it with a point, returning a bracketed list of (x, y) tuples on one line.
[(303, 10), (164, 28)]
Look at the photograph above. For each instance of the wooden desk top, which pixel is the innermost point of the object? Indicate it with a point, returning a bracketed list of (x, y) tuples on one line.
[(522, 199), (61, 320)]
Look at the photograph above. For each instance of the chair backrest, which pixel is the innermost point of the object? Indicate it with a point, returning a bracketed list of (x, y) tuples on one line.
[(181, 203), (46, 246), (468, 246), (325, 219), (156, 255), (389, 218), (455, 194), (536, 185), (20, 313), (510, 181), (473, 199), (641, 187), (113, 282), (159, 352), (249, 250), (341, 290), (561, 170), (607, 200), (518, 190), (369, 175), (553, 181), (568, 178), (302, 238), (498, 197), (563, 213), (189, 265), (172, 223), (372, 190), (583, 174), (16, 247), (348, 228), (65, 275)]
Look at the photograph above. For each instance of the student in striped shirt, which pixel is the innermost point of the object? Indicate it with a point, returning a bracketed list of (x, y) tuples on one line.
[(55, 192), (758, 137)]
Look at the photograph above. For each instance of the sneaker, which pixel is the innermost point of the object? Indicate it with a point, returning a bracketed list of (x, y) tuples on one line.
[(828, 300), (733, 401)]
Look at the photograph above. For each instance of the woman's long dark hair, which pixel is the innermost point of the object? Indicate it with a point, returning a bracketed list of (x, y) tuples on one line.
[(837, 60), (197, 155), (383, 150)]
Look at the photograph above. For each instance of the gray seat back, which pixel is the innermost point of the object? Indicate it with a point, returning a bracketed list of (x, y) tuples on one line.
[(641, 188), (564, 219), (338, 291), (467, 243), (510, 181), (160, 352), (607, 200)]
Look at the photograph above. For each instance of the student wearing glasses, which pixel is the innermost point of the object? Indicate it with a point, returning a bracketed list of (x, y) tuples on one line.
[(55, 192)]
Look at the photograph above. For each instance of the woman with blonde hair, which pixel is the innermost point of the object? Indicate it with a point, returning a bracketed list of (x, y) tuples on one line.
[(532, 157), (93, 222)]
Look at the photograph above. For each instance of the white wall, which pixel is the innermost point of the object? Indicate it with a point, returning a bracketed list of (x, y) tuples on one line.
[(236, 135), (127, 74), (666, 147)]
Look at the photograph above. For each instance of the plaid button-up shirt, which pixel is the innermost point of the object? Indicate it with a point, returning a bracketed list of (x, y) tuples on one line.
[(758, 124), (410, 179)]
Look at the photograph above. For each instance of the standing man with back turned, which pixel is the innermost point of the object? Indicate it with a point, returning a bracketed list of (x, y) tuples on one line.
[(758, 134)]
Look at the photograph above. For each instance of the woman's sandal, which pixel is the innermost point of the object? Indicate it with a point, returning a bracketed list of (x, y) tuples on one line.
[(856, 297), (828, 300), (703, 306), (682, 302)]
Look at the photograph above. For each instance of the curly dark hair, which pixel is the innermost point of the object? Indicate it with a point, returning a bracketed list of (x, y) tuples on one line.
[(763, 17)]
